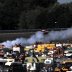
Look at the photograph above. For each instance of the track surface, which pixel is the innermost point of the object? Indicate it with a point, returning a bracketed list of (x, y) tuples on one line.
[(11, 36), (26, 33)]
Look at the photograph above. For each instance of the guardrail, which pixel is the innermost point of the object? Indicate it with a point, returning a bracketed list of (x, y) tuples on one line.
[(31, 30)]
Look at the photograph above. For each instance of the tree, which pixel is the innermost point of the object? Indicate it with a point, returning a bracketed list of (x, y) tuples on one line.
[(59, 17), (9, 13), (45, 3), (27, 19)]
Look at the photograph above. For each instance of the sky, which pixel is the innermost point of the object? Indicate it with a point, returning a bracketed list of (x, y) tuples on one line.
[(64, 1)]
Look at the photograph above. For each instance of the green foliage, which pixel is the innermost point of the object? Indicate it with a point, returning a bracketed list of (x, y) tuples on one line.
[(45, 3), (27, 19), (59, 17), (30, 14), (9, 13)]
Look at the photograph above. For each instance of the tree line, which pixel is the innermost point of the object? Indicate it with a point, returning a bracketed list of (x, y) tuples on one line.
[(34, 14)]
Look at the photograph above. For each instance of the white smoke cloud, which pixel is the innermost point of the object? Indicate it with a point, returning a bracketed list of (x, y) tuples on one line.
[(39, 36), (59, 35)]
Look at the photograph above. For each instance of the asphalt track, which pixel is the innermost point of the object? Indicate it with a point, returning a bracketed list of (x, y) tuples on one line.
[(26, 33), (12, 36)]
